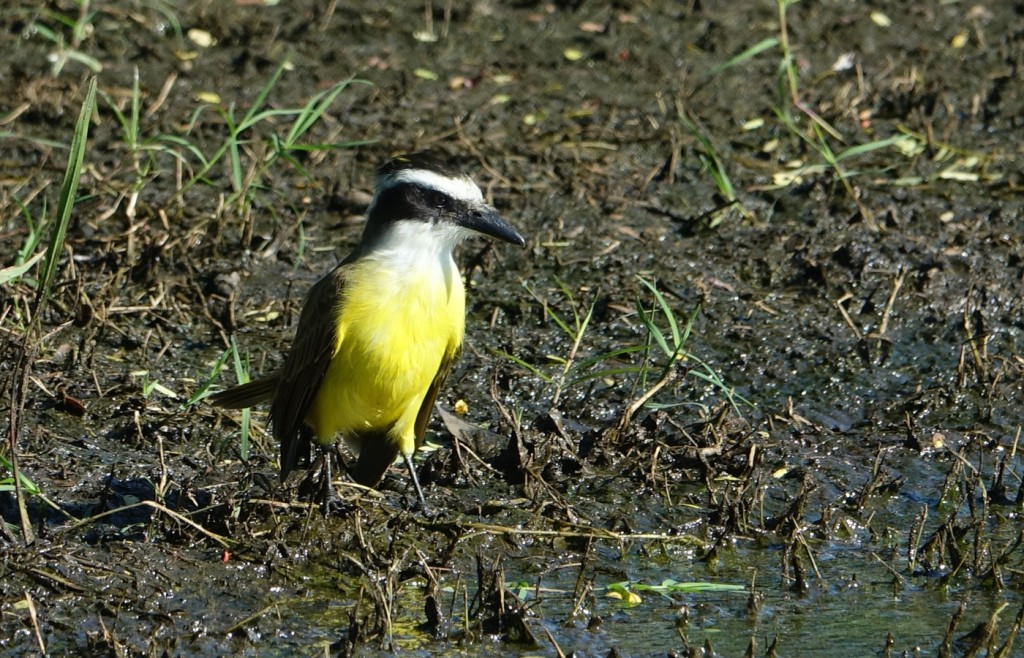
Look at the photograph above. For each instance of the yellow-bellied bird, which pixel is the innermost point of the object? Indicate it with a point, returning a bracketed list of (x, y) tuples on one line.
[(378, 334)]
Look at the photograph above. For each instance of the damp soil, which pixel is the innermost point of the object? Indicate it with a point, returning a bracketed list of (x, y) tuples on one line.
[(837, 438)]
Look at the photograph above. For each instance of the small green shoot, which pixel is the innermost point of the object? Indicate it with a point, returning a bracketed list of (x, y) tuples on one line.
[(672, 344), (35, 231), (242, 376), (664, 347), (14, 272), (130, 127), (286, 148), (149, 386), (574, 330), (817, 133), (833, 161), (673, 350), (748, 54), (712, 164), (27, 486), (68, 49), (131, 131), (789, 77), (214, 375)]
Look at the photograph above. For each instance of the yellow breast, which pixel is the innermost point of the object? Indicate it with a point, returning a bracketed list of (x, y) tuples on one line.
[(395, 325)]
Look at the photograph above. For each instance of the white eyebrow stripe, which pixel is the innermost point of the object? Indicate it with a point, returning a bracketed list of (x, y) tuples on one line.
[(461, 187)]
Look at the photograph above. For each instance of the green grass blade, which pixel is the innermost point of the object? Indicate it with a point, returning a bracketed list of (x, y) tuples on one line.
[(88, 61), (204, 387), (242, 375), (130, 122), (608, 356), (68, 190), (563, 325), (861, 149), (653, 330), (133, 125), (537, 372), (35, 231), (248, 120), (689, 327), (27, 486), (183, 144), (11, 273), (315, 109), (587, 318), (749, 53), (666, 310)]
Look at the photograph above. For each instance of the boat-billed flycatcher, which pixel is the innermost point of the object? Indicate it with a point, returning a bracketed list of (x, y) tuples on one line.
[(377, 335)]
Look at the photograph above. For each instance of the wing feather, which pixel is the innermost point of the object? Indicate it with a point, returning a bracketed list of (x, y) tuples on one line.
[(246, 395), (423, 417), (305, 366)]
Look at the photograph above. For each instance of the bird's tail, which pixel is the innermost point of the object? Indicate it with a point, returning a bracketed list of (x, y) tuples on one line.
[(246, 395)]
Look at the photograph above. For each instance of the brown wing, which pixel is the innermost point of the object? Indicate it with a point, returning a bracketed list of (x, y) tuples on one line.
[(305, 366), (423, 417)]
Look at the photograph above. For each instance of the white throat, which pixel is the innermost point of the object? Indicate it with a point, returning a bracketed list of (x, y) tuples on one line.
[(415, 249)]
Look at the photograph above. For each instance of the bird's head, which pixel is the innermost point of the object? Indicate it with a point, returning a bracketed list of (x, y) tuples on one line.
[(421, 195)]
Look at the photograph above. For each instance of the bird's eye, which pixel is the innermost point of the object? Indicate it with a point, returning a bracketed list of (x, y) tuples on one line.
[(438, 200)]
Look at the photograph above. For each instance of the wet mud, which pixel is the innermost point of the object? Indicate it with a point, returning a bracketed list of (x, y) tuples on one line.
[(755, 385)]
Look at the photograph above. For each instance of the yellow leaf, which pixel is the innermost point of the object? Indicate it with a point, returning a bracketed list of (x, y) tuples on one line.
[(629, 598), (201, 38), (211, 97), (880, 19)]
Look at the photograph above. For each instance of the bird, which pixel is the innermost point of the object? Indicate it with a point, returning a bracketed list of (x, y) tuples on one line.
[(377, 335)]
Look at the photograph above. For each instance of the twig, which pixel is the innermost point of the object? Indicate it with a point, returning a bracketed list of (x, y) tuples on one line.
[(33, 615), (223, 541), (887, 313), (582, 532), (846, 315)]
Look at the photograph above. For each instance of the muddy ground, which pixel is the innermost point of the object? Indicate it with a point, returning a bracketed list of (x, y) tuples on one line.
[(833, 199)]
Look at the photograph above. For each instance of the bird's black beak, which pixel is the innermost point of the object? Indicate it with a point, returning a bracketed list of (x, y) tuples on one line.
[(484, 219)]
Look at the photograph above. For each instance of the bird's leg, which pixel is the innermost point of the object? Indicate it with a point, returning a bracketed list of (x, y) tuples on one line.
[(415, 481), (331, 502), (318, 484), (328, 497)]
